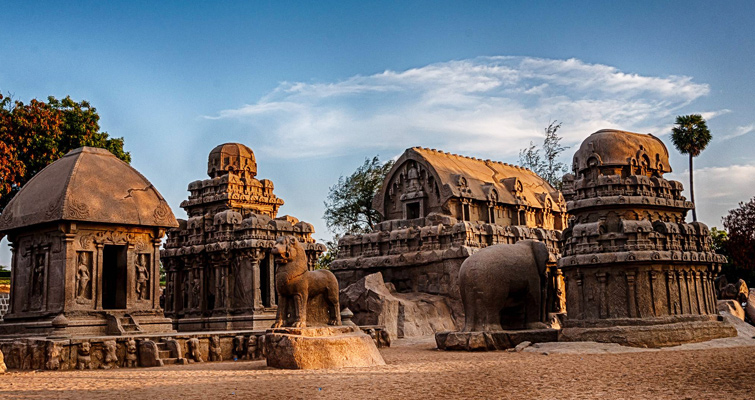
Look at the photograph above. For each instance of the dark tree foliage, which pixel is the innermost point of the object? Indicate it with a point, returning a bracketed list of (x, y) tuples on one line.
[(323, 262), (690, 135), (34, 135), (740, 222), (348, 208), (546, 165)]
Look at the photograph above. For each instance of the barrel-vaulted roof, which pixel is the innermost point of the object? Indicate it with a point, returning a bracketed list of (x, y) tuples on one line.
[(462, 176), (89, 185)]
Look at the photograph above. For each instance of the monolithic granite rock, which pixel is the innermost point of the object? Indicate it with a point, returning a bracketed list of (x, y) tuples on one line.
[(85, 234), (290, 344), (374, 302), (731, 306), (750, 308), (3, 368), (317, 348), (636, 272)]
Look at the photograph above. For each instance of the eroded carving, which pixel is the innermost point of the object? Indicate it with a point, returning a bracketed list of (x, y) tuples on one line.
[(215, 349), (84, 360)]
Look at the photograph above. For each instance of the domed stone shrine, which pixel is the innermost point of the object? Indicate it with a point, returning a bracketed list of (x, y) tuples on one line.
[(219, 271), (85, 234), (636, 272)]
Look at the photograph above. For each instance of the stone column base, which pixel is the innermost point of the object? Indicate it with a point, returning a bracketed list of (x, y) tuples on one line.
[(320, 347)]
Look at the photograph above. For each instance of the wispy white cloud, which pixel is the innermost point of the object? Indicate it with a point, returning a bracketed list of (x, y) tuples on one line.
[(739, 131), (718, 189), (487, 106)]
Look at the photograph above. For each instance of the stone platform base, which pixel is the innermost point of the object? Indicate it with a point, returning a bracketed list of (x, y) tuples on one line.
[(652, 335), (494, 340), (320, 347)]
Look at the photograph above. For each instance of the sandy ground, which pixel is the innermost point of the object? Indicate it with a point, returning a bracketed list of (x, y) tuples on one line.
[(719, 369)]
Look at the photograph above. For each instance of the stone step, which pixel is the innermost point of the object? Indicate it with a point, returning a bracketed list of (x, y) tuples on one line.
[(164, 354), (168, 361), (162, 346)]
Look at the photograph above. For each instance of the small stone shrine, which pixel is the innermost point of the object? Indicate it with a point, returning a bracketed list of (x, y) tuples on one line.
[(85, 234), (307, 333), (439, 208), (219, 270), (636, 272)]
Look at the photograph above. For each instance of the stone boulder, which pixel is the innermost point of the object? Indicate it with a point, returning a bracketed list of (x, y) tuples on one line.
[(3, 368), (374, 302), (731, 306), (320, 347), (750, 308)]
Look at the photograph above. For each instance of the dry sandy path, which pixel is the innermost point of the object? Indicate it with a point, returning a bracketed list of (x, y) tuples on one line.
[(416, 370)]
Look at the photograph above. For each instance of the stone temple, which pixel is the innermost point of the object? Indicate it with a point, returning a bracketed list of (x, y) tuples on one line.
[(441, 207), (85, 234), (635, 271), (219, 269)]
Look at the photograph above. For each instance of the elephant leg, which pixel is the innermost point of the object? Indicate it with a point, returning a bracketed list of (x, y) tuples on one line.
[(532, 307)]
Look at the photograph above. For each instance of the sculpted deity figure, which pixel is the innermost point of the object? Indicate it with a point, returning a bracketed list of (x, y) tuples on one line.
[(221, 290), (142, 277), (82, 276), (39, 275), (131, 356), (195, 289)]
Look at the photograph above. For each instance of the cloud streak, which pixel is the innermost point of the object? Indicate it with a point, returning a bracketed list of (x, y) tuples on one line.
[(486, 106)]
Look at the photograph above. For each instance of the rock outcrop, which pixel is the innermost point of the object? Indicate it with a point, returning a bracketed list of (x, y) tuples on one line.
[(374, 302)]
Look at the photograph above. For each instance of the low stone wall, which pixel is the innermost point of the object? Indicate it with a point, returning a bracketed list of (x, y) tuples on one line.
[(153, 350)]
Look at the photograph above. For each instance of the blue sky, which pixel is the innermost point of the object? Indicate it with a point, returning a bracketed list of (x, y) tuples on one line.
[(315, 87)]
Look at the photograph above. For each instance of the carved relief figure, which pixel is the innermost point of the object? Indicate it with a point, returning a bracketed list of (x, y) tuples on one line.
[(215, 350), (251, 347), (110, 359), (195, 354), (38, 281), (142, 277), (52, 356), (220, 303), (130, 354), (83, 276), (85, 357), (169, 296), (296, 284), (238, 347), (195, 289)]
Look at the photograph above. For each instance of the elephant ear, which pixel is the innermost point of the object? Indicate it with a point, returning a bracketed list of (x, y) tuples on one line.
[(540, 251)]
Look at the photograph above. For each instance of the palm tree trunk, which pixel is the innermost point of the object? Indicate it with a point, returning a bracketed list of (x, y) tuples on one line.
[(692, 190)]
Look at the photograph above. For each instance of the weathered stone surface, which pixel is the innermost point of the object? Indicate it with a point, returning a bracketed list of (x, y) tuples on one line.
[(219, 269), (653, 336), (502, 286), (402, 314), (3, 368), (99, 263), (750, 308), (493, 340), (731, 306), (629, 257), (318, 348), (149, 355)]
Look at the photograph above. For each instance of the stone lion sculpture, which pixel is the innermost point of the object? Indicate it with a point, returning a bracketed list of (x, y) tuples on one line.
[(296, 285)]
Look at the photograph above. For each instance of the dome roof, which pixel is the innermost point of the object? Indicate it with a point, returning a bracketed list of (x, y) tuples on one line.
[(231, 157), (90, 185), (609, 147)]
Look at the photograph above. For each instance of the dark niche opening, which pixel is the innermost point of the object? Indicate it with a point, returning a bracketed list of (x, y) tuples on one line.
[(412, 211), (114, 277)]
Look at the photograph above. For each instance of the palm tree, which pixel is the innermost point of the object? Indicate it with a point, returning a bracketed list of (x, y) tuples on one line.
[(691, 136)]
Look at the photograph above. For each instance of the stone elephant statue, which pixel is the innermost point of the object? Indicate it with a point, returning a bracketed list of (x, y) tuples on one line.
[(502, 286)]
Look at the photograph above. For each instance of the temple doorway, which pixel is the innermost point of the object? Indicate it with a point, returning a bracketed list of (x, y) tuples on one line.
[(114, 277)]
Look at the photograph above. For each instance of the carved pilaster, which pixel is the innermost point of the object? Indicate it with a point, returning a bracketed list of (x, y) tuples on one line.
[(631, 293)]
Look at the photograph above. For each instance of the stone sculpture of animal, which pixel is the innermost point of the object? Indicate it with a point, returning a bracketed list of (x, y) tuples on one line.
[(215, 349), (296, 284), (131, 356), (195, 353), (110, 352), (502, 286), (52, 355), (84, 356)]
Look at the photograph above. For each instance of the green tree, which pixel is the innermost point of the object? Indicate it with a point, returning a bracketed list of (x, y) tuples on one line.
[(547, 165), (691, 136), (348, 208), (34, 135)]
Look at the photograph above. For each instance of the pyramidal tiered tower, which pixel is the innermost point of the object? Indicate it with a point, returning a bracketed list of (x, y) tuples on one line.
[(636, 272), (219, 271)]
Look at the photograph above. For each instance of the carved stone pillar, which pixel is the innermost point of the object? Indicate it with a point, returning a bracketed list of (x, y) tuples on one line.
[(631, 294), (601, 277)]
